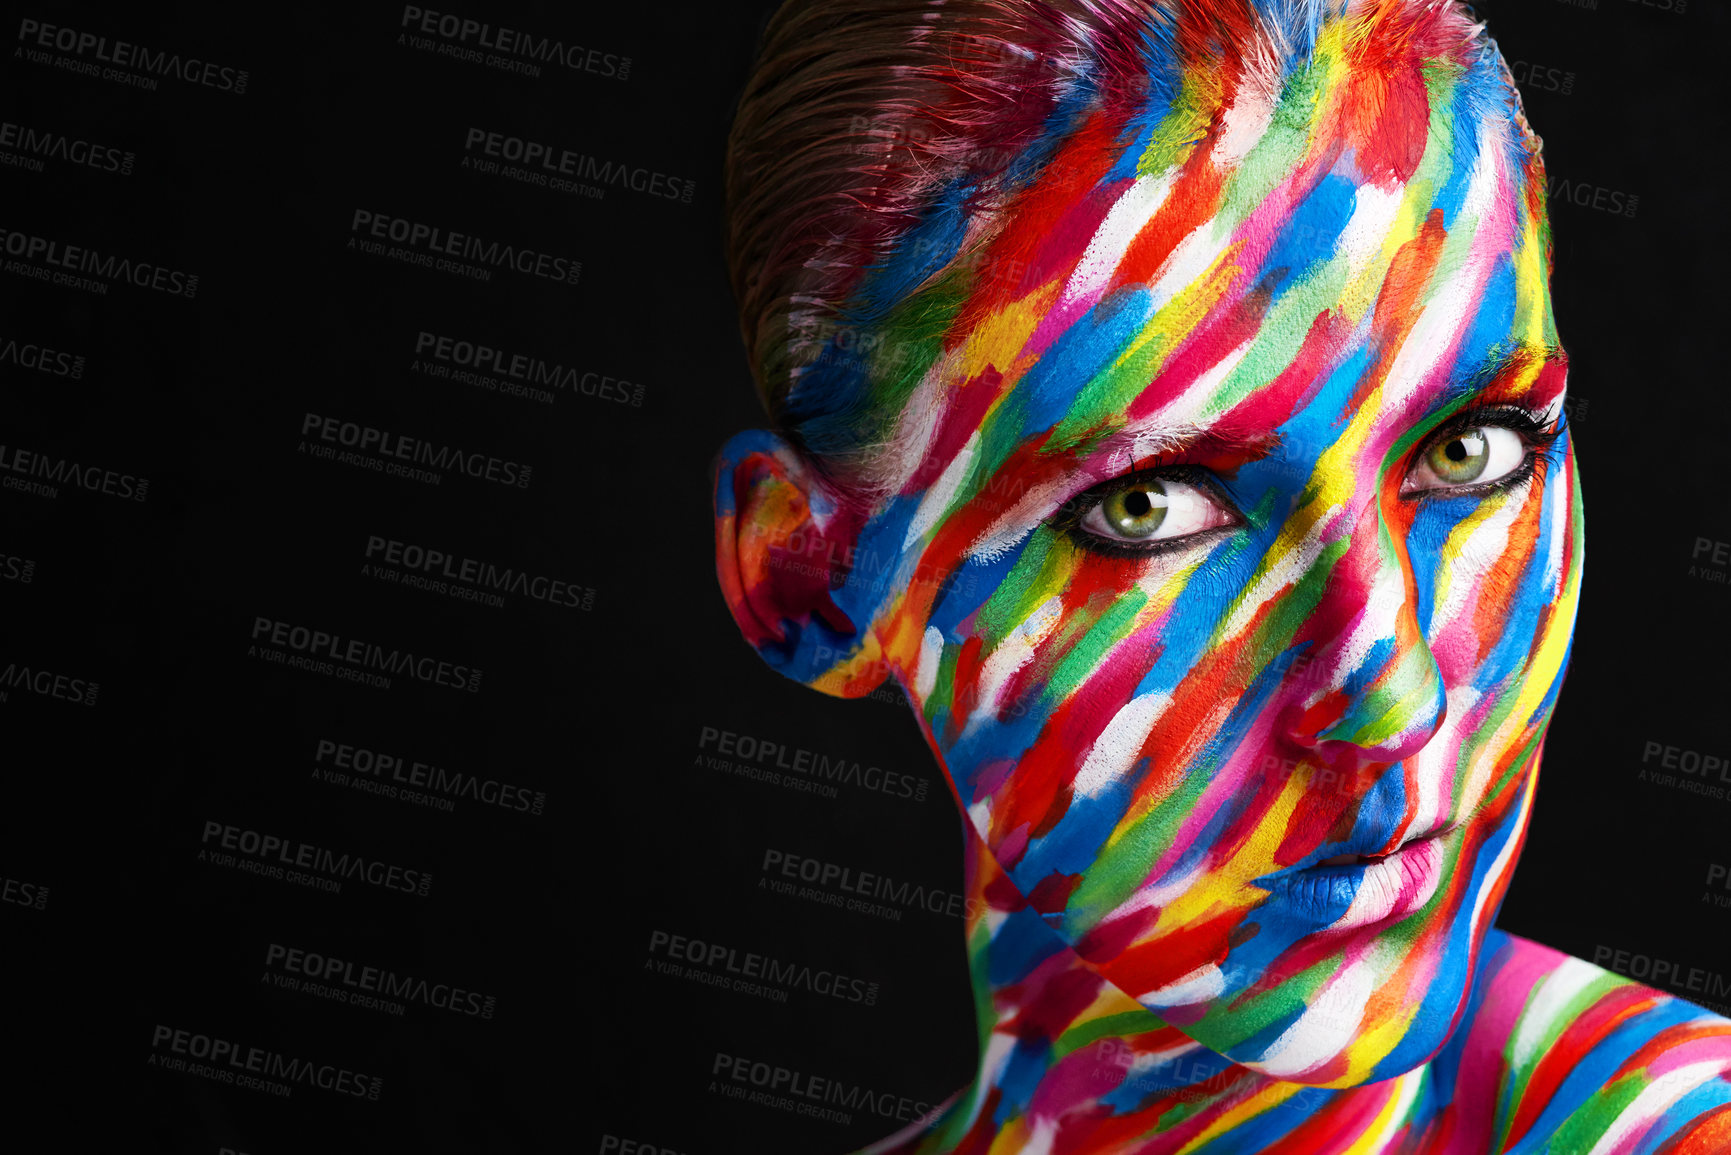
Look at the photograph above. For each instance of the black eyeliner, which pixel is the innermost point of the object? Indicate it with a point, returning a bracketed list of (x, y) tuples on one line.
[(1533, 428), (1068, 519)]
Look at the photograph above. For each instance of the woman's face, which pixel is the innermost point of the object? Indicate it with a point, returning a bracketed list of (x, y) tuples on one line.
[(1232, 546)]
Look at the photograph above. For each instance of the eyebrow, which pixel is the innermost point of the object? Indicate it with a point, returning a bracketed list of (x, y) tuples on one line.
[(1149, 440), (1491, 374), (1146, 442)]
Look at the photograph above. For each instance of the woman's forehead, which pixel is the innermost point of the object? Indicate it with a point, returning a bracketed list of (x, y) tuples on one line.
[(1283, 256)]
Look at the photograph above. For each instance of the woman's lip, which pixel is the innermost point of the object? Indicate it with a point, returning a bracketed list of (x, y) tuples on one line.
[(1364, 859), (1348, 892), (1351, 859)]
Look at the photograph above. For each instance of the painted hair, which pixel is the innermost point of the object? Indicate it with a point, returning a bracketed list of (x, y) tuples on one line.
[(877, 141)]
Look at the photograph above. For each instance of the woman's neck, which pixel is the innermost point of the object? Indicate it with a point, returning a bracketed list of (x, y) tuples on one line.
[(1061, 1048)]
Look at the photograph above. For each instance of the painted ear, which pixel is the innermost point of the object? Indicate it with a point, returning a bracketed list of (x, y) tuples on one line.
[(782, 550)]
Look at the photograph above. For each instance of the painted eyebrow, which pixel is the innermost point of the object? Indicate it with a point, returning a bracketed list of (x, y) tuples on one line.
[(1144, 443), (1493, 369), (1147, 443)]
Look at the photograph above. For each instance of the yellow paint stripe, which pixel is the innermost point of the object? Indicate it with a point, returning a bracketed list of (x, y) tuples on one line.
[(1266, 1099)]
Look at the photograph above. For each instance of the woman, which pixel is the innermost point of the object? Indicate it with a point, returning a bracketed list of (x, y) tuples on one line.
[(1168, 398)]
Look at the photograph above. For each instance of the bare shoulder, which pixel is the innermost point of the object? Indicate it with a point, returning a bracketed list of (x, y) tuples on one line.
[(1558, 1055)]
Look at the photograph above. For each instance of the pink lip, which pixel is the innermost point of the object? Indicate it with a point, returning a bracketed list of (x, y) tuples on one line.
[(1371, 859), (1395, 884)]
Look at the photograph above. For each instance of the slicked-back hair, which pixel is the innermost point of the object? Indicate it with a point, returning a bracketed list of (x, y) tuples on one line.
[(864, 121)]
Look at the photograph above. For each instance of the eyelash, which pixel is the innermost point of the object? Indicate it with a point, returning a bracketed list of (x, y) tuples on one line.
[(1531, 427), (1069, 518)]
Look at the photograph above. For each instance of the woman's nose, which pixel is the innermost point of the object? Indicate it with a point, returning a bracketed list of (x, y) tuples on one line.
[(1377, 686)]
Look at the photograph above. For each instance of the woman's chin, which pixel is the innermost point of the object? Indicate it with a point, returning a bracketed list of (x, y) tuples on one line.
[(1315, 1058), (1329, 1036)]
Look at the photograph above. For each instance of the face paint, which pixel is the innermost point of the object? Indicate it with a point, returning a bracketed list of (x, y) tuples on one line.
[(1274, 759), (1228, 547)]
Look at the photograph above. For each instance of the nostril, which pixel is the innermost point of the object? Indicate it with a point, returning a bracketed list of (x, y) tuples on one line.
[(1392, 722)]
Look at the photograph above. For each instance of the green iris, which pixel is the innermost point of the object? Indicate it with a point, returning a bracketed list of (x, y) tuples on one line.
[(1138, 511), (1461, 458)]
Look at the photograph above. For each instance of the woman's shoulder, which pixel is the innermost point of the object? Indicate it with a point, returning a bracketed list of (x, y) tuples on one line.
[(1559, 1055)]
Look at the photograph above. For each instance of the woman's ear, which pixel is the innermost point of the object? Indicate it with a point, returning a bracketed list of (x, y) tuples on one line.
[(782, 548)]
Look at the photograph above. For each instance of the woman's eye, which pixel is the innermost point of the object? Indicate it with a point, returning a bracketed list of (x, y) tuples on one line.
[(1155, 509), (1475, 456)]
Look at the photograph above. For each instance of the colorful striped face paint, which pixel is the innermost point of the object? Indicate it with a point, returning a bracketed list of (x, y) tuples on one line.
[(1226, 538)]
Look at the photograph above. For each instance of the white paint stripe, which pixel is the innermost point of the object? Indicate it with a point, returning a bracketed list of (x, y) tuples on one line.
[(1654, 1100), (1243, 125), (1406, 1093), (1501, 865), (1549, 1001), (1276, 577), (1163, 894), (1433, 767), (1192, 257), (1011, 654), (1560, 498), (1115, 750), (1439, 325), (1324, 1029), (1039, 1141), (1189, 406), (1105, 252), (1373, 212), (1382, 606), (941, 493), (931, 656), (1204, 983), (1481, 549)]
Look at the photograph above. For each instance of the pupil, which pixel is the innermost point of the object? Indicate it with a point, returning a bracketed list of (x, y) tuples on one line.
[(1136, 503), (1456, 450)]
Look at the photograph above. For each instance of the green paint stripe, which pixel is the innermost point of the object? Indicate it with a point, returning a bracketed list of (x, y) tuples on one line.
[(1592, 1119), (1089, 651), (1124, 1023)]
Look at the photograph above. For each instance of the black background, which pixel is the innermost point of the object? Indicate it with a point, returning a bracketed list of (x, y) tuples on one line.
[(604, 710)]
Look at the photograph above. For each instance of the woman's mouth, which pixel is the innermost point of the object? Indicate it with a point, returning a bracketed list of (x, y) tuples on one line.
[(1351, 891), (1368, 859)]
